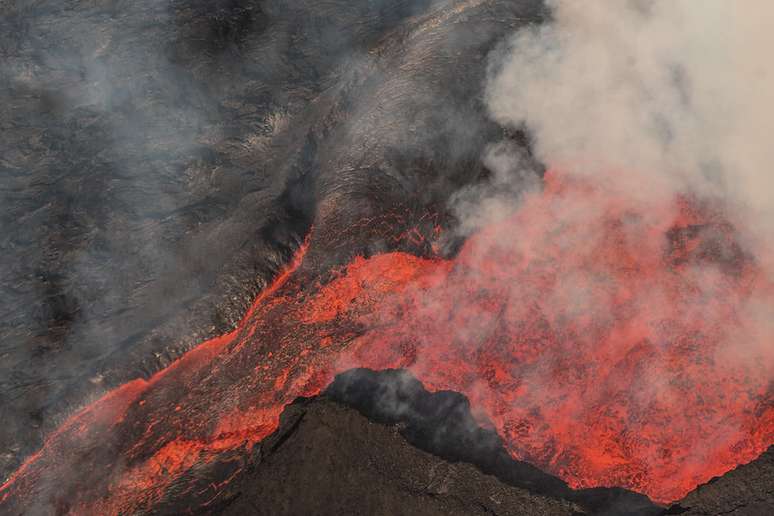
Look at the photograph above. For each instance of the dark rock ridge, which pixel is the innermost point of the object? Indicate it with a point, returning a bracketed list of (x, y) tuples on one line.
[(329, 459), (747, 490), (441, 423), (379, 443)]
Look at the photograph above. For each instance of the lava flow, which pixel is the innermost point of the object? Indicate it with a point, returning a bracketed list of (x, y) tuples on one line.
[(609, 342)]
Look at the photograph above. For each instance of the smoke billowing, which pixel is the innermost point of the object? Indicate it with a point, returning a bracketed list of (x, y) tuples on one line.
[(659, 97), (626, 303), (653, 237), (649, 101)]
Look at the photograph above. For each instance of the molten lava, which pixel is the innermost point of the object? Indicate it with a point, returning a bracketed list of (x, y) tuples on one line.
[(609, 341)]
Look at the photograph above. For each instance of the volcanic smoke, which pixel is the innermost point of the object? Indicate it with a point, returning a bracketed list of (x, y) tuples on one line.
[(612, 325)]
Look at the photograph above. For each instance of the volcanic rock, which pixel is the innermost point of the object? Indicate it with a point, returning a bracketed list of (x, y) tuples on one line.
[(380, 443), (747, 490), (329, 459)]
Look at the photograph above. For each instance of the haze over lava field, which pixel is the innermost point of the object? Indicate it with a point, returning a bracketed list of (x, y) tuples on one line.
[(328, 186)]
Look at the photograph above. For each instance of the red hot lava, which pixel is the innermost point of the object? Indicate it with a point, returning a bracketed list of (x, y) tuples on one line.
[(610, 342)]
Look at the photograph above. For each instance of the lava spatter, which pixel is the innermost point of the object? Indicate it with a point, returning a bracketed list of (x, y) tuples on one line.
[(608, 342)]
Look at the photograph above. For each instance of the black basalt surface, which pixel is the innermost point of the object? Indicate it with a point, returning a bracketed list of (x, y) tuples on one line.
[(747, 490), (380, 443), (442, 424)]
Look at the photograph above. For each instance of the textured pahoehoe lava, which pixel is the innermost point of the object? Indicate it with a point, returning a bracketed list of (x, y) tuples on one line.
[(609, 342)]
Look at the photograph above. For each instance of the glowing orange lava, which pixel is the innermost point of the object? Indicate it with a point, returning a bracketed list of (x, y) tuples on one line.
[(610, 342)]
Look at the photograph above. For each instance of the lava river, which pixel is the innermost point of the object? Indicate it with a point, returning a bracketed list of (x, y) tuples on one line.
[(608, 342)]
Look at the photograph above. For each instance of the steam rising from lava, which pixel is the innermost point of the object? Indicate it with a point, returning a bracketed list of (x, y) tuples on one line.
[(662, 97), (612, 325), (655, 103)]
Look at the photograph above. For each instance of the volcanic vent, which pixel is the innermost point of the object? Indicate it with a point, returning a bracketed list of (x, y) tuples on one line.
[(607, 319)]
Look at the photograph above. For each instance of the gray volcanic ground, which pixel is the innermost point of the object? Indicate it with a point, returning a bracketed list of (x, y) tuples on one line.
[(161, 160)]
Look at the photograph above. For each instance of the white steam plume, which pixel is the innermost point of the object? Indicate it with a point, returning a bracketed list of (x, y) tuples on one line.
[(669, 96)]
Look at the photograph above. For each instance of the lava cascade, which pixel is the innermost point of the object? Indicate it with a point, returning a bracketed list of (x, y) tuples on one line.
[(609, 342)]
